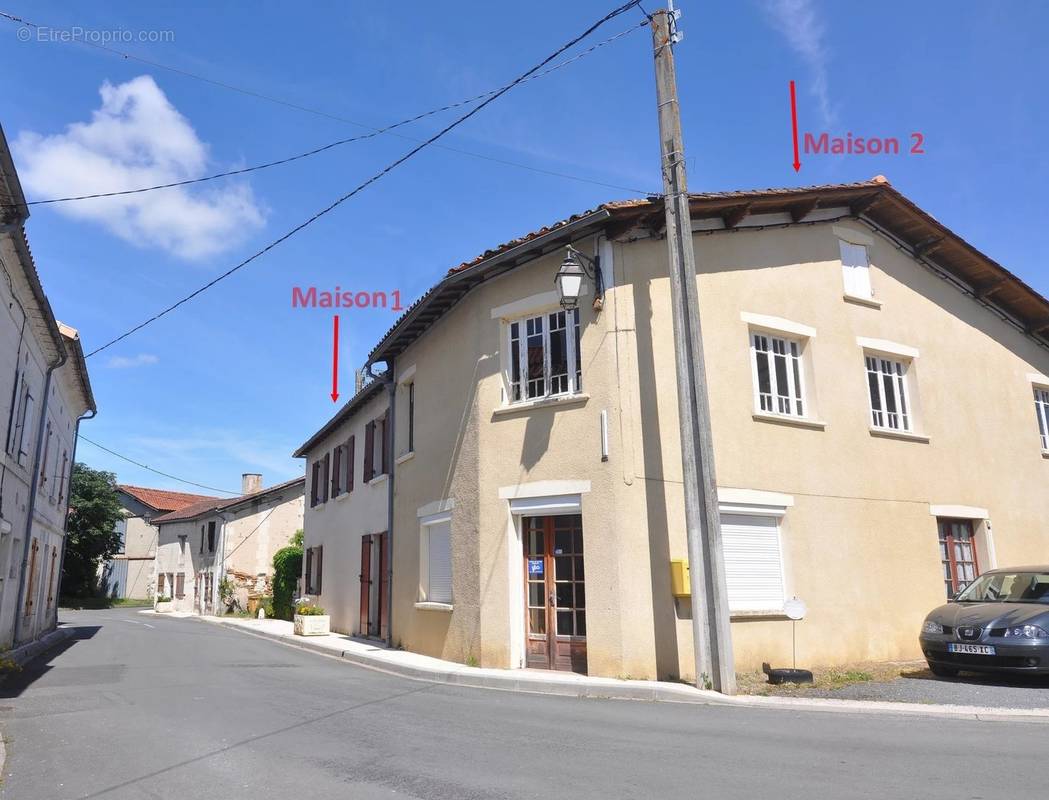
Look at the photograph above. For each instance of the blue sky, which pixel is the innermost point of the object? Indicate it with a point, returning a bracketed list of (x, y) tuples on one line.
[(236, 379)]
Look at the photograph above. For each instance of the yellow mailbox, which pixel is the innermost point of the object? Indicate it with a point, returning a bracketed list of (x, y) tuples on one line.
[(679, 579)]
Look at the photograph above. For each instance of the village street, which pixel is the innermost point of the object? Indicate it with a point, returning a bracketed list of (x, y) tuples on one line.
[(141, 707)]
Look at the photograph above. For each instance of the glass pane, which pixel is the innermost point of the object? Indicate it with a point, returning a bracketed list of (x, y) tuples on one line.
[(578, 352), (580, 595), (564, 623), (534, 354), (536, 595), (515, 362), (537, 620), (558, 354), (577, 539), (579, 568), (580, 623), (564, 595), (535, 543), (563, 568), (562, 541), (764, 379)]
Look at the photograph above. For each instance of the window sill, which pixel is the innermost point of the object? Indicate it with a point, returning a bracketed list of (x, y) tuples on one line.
[(745, 616), (869, 302), (405, 457), (319, 506), (425, 606), (559, 401), (378, 479), (342, 497), (904, 435), (1045, 454), (797, 422)]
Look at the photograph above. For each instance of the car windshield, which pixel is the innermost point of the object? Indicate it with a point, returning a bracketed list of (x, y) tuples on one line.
[(1008, 587)]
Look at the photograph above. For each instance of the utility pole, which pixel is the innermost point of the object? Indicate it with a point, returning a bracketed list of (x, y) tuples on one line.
[(711, 633)]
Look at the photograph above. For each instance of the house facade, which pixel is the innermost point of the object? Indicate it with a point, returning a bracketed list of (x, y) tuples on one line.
[(44, 395), (130, 573), (235, 538), (880, 412)]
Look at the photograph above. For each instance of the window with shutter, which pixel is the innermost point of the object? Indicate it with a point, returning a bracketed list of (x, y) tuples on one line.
[(315, 483), (336, 471), (350, 458), (384, 443), (319, 576), (325, 476), (369, 451), (753, 562), (309, 570), (160, 585), (180, 585), (1041, 410), (211, 537), (856, 271), (436, 580)]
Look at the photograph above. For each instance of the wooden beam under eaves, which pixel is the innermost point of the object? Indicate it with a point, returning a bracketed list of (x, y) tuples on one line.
[(799, 211), (928, 245), (988, 289), (735, 215), (857, 207)]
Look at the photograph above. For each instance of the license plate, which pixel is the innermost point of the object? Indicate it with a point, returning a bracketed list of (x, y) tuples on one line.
[(971, 649)]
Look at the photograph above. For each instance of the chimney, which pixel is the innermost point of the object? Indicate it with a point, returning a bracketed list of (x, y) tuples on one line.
[(250, 483)]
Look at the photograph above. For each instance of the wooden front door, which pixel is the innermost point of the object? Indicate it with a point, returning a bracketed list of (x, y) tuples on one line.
[(375, 570), (555, 593)]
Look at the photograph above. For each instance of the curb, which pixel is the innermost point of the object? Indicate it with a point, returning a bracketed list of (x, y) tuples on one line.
[(652, 691), (27, 652)]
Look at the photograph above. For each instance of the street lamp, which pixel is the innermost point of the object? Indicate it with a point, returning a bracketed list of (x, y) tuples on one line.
[(570, 276)]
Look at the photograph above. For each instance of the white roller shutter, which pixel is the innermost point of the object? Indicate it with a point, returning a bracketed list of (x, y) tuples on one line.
[(753, 562), (856, 270), (439, 562)]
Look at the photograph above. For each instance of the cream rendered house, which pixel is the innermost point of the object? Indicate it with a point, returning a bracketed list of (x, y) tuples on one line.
[(880, 406), (44, 393), (130, 572), (233, 538)]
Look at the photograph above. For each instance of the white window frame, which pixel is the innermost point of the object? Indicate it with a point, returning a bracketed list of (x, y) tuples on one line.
[(856, 272), (427, 598), (1041, 411), (794, 355), (901, 392), (775, 513), (573, 378)]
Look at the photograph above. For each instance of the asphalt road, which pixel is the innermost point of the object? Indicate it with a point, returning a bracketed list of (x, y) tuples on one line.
[(141, 707)]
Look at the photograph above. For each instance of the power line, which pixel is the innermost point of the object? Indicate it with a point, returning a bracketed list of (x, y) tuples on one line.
[(157, 471), (373, 130), (377, 176), (242, 541)]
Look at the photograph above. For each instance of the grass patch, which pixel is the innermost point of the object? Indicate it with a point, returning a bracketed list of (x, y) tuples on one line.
[(93, 603), (837, 677)]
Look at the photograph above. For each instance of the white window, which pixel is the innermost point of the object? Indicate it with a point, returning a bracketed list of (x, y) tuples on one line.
[(1041, 410), (856, 270), (753, 562), (544, 356), (889, 397), (778, 382), (435, 562)]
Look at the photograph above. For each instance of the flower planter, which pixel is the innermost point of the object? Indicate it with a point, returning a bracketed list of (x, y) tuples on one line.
[(162, 607), (317, 625)]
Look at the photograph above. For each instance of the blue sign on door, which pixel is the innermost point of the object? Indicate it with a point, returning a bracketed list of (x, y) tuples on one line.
[(535, 566)]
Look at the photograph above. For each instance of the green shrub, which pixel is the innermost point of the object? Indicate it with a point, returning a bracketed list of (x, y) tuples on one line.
[(266, 604), (306, 610), (287, 566), (164, 599)]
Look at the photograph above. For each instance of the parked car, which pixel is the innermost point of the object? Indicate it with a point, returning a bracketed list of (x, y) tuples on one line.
[(999, 622)]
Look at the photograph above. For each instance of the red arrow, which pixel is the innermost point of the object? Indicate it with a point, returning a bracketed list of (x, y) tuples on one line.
[(335, 358), (794, 125)]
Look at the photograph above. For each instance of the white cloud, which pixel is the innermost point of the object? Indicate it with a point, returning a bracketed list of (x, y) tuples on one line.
[(130, 362), (138, 138), (805, 32)]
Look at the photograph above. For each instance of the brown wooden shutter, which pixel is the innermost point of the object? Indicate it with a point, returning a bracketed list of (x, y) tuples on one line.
[(336, 469), (309, 570), (369, 451), (160, 585), (325, 472), (180, 585), (386, 443), (320, 569), (350, 459), (366, 583)]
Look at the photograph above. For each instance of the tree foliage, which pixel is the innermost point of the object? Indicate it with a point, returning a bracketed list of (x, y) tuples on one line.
[(287, 567), (91, 530)]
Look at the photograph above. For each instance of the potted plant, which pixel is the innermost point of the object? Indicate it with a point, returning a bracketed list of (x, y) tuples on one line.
[(311, 620), (163, 603)]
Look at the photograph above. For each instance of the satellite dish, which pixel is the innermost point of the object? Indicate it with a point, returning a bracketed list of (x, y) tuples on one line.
[(795, 608)]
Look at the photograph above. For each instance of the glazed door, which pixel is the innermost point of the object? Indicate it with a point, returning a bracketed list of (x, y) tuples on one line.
[(375, 568), (555, 593)]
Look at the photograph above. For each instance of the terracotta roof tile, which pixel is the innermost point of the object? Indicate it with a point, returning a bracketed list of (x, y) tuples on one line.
[(162, 499)]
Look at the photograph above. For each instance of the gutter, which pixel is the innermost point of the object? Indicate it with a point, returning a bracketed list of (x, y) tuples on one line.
[(33, 487), (391, 387)]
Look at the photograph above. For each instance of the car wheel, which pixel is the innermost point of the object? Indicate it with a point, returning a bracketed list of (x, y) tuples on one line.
[(941, 671)]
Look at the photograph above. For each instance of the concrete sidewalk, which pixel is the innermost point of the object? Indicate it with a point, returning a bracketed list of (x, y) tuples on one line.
[(424, 668)]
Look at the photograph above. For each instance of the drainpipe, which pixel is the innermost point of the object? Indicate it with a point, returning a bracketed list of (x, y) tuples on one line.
[(33, 486), (69, 488), (391, 387)]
